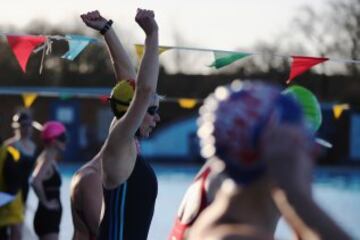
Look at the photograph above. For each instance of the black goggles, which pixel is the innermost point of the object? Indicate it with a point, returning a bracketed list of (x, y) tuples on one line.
[(62, 138), (152, 110)]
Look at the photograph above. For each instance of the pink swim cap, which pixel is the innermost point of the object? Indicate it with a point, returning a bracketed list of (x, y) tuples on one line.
[(52, 130)]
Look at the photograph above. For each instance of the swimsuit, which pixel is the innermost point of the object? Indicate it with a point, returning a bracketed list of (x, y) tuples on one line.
[(27, 162), (129, 207), (46, 220), (179, 229)]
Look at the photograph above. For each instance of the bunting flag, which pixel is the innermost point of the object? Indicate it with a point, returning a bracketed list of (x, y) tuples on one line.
[(140, 50), (22, 46), (223, 59), (339, 108), (103, 99), (29, 99), (187, 103), (77, 43), (65, 96), (301, 64)]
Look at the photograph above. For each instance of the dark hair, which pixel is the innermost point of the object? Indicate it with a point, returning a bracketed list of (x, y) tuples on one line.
[(21, 118)]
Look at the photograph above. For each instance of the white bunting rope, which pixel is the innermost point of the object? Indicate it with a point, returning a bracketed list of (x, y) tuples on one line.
[(253, 53)]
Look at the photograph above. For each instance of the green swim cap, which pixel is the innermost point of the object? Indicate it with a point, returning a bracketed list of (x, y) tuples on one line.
[(309, 104), (121, 96)]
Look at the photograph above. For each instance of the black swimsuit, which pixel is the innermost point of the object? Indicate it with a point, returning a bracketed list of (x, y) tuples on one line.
[(46, 220), (129, 208), (27, 163), (26, 166)]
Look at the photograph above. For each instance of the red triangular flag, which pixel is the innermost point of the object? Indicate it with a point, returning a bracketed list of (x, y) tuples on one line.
[(302, 64), (22, 47), (103, 99)]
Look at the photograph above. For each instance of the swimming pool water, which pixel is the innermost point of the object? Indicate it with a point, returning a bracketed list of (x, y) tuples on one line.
[(337, 191)]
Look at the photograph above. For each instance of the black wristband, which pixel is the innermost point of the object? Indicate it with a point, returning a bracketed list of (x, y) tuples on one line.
[(106, 27)]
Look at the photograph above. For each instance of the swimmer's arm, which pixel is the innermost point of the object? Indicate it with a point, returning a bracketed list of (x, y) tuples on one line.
[(122, 134), (306, 217), (290, 166), (124, 69), (146, 80), (228, 231), (10, 141), (90, 201), (120, 59), (39, 175)]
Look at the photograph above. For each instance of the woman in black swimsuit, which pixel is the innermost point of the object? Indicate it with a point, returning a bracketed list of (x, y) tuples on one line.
[(46, 182), (22, 141)]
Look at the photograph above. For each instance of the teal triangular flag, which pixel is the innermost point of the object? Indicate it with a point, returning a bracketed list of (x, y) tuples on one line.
[(77, 43), (223, 59)]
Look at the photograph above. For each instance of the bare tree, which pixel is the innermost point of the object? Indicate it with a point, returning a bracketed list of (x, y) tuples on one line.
[(333, 32), (346, 20)]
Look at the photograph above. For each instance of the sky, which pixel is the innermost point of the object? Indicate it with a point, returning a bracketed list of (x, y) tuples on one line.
[(214, 24)]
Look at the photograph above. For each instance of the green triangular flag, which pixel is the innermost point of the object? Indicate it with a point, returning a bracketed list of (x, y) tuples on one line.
[(223, 59), (66, 96)]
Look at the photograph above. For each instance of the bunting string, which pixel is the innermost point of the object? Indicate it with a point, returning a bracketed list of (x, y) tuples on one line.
[(58, 37), (29, 96), (46, 51), (23, 45), (252, 53), (299, 64)]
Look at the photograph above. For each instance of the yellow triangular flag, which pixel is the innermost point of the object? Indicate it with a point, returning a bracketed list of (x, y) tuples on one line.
[(339, 108), (140, 50), (29, 99), (163, 49), (187, 102)]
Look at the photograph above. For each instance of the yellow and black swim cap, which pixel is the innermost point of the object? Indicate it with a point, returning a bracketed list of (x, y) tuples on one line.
[(121, 96)]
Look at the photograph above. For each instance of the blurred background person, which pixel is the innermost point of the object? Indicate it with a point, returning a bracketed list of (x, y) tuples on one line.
[(22, 124), (258, 140), (12, 213), (209, 179), (46, 181)]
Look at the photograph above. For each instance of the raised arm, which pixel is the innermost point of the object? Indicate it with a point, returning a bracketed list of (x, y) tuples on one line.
[(124, 70), (147, 78), (119, 153)]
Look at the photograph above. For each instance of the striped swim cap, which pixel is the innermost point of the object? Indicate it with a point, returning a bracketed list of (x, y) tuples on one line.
[(233, 119)]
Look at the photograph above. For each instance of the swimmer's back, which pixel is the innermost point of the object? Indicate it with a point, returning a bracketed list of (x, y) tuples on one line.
[(86, 200)]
